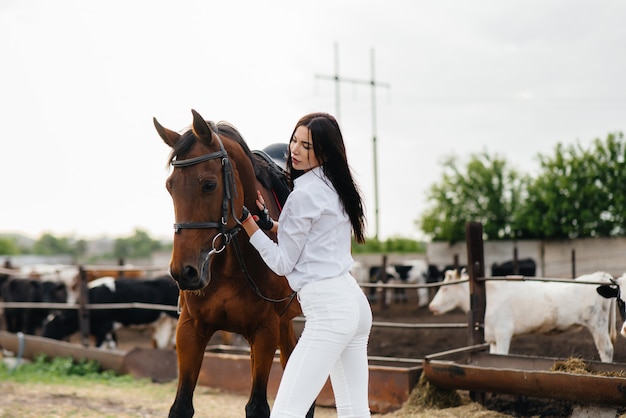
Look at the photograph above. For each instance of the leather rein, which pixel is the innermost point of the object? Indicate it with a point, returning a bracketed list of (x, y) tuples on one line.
[(225, 235)]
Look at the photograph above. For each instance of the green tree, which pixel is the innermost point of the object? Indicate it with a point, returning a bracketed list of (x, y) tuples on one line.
[(8, 246), (404, 245), (486, 190), (136, 246), (391, 245), (578, 192), (48, 244), (80, 248)]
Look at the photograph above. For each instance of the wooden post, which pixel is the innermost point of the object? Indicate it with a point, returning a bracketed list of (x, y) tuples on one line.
[(120, 272), (83, 312), (382, 276), (476, 269), (543, 260), (478, 300)]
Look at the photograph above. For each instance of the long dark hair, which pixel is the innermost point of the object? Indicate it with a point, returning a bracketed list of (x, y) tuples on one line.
[(329, 148)]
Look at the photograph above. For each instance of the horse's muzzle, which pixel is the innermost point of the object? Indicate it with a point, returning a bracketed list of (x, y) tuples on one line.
[(191, 277)]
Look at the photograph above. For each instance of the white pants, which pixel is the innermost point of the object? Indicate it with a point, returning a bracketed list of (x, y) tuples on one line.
[(338, 319)]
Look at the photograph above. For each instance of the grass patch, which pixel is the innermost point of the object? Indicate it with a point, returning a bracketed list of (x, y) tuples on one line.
[(45, 369)]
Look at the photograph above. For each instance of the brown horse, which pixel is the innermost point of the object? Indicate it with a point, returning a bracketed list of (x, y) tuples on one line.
[(224, 284)]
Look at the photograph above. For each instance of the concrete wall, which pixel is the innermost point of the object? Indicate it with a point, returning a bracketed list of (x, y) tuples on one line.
[(556, 259)]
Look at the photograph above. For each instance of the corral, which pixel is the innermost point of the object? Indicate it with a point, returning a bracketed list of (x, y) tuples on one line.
[(403, 336)]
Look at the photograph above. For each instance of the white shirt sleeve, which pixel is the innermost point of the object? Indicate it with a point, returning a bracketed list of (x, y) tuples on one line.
[(313, 234), (299, 214)]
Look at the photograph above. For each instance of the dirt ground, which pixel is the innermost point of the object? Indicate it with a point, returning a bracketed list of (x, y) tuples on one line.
[(31, 400), (36, 400)]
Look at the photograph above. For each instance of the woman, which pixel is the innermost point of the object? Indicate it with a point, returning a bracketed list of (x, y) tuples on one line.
[(314, 253)]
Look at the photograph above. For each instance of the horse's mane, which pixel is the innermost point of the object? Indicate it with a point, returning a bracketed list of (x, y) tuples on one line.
[(188, 139)]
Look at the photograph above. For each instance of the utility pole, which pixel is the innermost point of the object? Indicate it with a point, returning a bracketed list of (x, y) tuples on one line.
[(373, 83)]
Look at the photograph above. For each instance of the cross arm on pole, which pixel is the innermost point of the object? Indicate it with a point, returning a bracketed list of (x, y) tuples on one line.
[(373, 83), (353, 80)]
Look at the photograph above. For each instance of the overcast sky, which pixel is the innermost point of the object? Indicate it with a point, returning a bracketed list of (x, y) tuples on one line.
[(81, 80)]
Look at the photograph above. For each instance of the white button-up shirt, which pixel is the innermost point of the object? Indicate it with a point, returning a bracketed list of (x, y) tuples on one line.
[(314, 234)]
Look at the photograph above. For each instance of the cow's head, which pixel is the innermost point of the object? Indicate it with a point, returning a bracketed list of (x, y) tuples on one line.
[(613, 291), (454, 293)]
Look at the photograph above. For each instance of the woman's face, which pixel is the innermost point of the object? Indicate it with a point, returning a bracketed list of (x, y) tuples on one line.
[(301, 150)]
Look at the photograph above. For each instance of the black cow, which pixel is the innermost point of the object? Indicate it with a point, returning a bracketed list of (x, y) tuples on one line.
[(29, 320), (459, 269), (525, 267), (433, 275), (162, 291)]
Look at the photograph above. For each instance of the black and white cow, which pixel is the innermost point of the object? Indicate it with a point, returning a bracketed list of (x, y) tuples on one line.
[(377, 276), (29, 320), (103, 322), (409, 272), (415, 272)]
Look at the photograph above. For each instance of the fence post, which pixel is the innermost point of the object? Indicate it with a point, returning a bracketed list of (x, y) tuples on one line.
[(120, 272), (382, 276), (476, 269), (478, 300), (83, 312)]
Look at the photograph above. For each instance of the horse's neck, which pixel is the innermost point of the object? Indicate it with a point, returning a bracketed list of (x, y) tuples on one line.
[(250, 192), (251, 184)]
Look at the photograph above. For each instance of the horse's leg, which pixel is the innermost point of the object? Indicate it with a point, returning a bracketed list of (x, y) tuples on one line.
[(263, 346), (190, 346), (286, 343)]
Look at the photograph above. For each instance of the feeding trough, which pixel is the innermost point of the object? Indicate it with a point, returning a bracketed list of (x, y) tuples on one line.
[(473, 368), (223, 367), (155, 364), (390, 380)]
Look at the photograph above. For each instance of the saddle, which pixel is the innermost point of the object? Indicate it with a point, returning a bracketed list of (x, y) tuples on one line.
[(276, 163)]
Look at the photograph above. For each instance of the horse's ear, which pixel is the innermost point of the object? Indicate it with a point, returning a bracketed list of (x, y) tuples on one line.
[(200, 128), (168, 136)]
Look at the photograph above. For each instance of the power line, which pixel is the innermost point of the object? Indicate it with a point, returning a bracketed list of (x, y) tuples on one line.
[(374, 84)]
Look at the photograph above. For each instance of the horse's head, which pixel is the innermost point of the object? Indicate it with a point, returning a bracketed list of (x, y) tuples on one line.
[(206, 192)]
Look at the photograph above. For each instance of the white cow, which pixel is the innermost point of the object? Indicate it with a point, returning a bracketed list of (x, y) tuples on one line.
[(526, 307), (164, 332)]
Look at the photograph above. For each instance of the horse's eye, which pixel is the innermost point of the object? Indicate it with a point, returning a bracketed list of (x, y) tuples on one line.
[(209, 186)]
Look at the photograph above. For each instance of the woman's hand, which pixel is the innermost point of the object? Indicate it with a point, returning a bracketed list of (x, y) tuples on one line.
[(245, 215), (263, 220)]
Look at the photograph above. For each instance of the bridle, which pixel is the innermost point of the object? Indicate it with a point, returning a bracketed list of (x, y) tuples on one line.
[(226, 235), (230, 192)]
